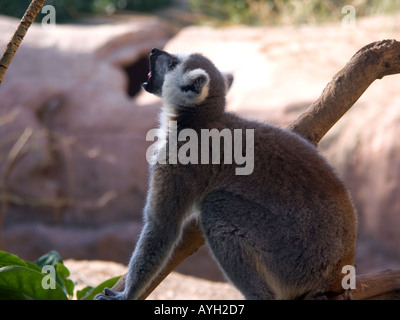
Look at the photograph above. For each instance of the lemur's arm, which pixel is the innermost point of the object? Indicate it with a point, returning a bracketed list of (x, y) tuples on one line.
[(164, 214)]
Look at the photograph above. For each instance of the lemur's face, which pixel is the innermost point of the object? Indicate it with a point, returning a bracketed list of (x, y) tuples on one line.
[(161, 63), (185, 79)]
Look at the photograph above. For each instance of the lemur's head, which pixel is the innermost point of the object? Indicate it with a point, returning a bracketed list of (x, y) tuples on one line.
[(185, 79)]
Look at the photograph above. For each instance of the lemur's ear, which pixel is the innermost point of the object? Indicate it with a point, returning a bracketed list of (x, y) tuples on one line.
[(197, 82), (228, 79)]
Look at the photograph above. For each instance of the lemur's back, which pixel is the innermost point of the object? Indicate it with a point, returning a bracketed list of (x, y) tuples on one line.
[(292, 217)]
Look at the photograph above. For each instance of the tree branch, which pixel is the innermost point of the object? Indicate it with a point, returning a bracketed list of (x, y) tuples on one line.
[(372, 62), (19, 34), (378, 286)]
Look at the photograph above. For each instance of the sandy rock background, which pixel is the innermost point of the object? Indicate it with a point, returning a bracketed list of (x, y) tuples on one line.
[(79, 184), (176, 286)]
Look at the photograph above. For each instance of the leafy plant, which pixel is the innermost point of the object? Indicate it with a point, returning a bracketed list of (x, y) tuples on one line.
[(45, 279)]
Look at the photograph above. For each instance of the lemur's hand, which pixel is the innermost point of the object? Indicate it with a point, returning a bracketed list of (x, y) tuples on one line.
[(109, 294)]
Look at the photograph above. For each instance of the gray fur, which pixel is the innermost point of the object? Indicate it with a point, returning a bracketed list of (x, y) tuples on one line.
[(283, 232)]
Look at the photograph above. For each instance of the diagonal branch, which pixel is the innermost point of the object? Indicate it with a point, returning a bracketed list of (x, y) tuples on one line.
[(372, 62), (19, 34)]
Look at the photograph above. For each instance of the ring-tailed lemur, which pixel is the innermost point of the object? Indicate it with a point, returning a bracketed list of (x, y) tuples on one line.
[(282, 232)]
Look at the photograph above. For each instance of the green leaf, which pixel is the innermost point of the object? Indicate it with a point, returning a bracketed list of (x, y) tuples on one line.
[(62, 278), (50, 258), (11, 295), (8, 259), (53, 258), (18, 282), (81, 294), (88, 293)]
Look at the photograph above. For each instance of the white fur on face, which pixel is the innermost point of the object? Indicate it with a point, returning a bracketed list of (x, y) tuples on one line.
[(175, 80), (173, 95), (189, 77)]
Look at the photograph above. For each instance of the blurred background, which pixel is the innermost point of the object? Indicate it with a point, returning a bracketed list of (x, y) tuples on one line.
[(249, 12), (73, 117)]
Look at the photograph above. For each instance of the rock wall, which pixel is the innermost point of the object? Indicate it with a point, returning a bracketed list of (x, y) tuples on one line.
[(79, 183), (83, 169)]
